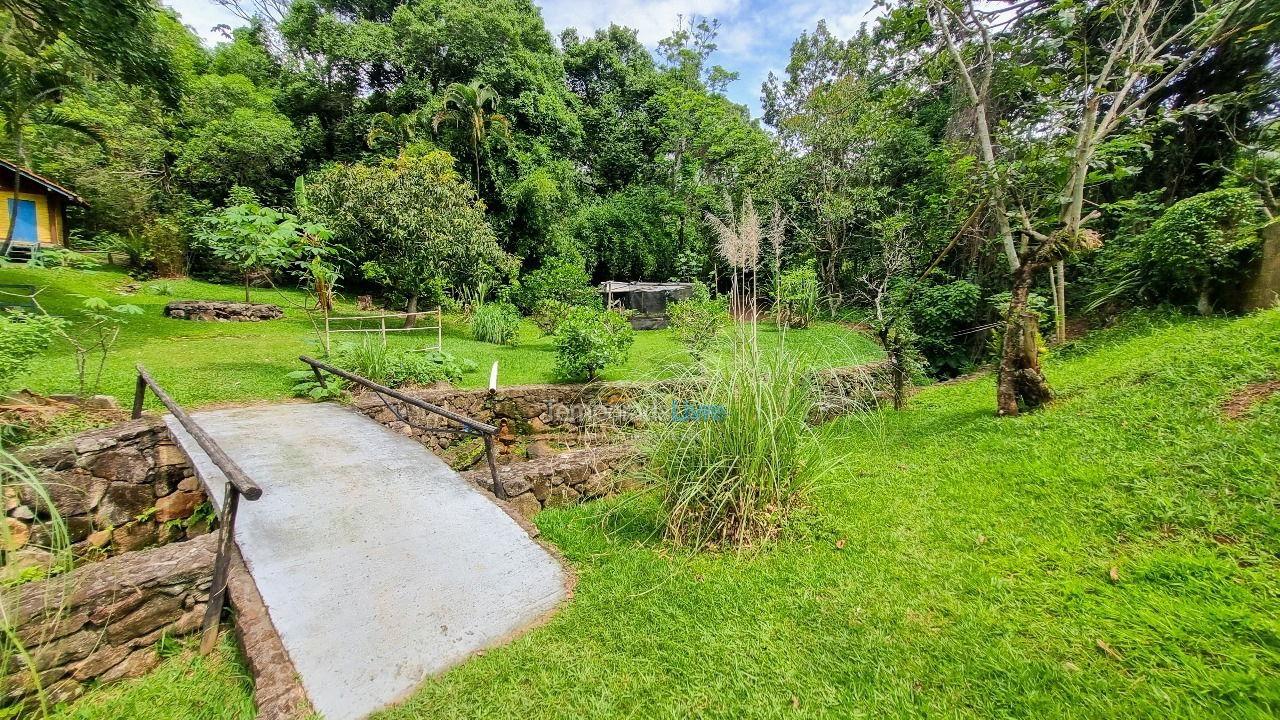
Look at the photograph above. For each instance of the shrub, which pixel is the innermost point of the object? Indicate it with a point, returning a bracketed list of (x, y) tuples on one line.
[(495, 323), (60, 257), (393, 366), (796, 297), (21, 338), (731, 480), (697, 321), (1201, 241), (939, 314), (549, 314), (588, 341), (561, 279), (137, 252)]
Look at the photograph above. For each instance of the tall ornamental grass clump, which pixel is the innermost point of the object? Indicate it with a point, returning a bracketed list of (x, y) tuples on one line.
[(495, 323), (734, 450)]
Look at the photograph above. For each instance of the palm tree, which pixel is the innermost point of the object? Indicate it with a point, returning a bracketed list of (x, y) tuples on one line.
[(473, 104), (402, 128)]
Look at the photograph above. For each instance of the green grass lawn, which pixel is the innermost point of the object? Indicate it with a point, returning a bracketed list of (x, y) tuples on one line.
[(206, 363), (952, 564)]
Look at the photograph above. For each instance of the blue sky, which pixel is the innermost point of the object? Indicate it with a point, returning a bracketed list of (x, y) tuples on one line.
[(755, 35)]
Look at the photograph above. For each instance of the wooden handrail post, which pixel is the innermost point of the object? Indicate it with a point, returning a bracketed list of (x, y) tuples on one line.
[(221, 567), (139, 394), (498, 491)]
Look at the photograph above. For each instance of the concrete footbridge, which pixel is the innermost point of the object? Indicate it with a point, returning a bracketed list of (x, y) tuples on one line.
[(378, 565)]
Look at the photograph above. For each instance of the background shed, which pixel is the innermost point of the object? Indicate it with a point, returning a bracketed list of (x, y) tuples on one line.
[(648, 300)]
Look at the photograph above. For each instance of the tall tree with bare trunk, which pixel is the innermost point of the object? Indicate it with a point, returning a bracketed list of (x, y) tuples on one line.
[(1112, 58)]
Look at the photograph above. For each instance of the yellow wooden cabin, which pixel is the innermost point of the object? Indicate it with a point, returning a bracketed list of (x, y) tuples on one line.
[(41, 209)]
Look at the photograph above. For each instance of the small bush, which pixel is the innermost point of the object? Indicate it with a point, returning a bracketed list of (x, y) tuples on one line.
[(697, 321), (21, 338), (796, 297), (549, 314), (61, 257), (560, 279), (394, 367), (588, 341), (495, 323), (139, 258)]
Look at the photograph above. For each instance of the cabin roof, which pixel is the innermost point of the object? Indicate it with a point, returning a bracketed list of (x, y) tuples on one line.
[(48, 184)]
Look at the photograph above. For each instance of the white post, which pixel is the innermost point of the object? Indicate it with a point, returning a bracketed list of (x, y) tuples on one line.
[(326, 332), (439, 330), (382, 322), (493, 377)]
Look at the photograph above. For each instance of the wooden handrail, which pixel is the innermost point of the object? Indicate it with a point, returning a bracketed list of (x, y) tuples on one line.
[(244, 484), (485, 430), (238, 483), (480, 427)]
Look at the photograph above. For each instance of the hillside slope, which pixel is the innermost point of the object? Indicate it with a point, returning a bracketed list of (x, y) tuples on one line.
[(975, 578)]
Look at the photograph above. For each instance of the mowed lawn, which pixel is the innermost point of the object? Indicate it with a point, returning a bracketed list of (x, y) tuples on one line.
[(1114, 556), (203, 363)]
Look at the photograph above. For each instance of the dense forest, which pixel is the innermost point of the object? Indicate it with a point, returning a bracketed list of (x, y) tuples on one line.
[(956, 175)]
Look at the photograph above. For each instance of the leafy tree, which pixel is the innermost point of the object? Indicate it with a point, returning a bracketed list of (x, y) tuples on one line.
[(252, 238), (245, 148), (588, 340), (698, 320), (414, 225)]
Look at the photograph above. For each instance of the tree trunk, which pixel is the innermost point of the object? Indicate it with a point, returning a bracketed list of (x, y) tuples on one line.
[(17, 195), (1060, 302), (411, 320), (1021, 384), (899, 376)]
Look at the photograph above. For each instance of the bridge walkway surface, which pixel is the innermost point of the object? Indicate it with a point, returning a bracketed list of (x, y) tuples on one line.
[(378, 564)]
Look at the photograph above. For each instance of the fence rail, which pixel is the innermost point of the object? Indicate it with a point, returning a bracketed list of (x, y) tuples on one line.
[(469, 425), (382, 328), (238, 484)]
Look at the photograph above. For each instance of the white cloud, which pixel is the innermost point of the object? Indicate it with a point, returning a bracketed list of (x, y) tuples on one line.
[(202, 16), (651, 20)]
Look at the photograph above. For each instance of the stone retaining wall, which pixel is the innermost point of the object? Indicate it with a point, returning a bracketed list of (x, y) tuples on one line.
[(548, 411), (102, 620), (118, 489), (559, 480), (216, 311), (537, 409)]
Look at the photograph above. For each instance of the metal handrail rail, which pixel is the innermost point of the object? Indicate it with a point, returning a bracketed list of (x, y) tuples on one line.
[(470, 426), (238, 483)]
